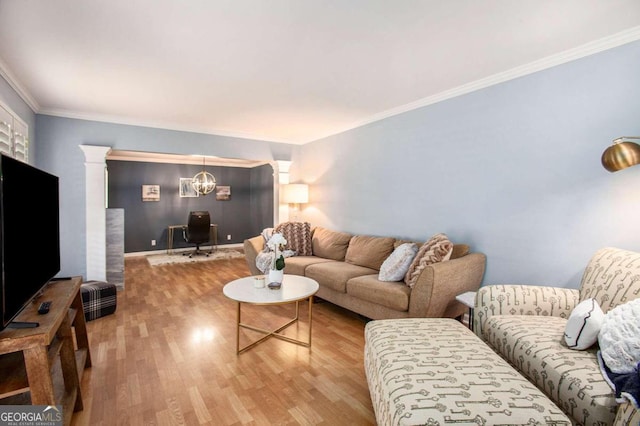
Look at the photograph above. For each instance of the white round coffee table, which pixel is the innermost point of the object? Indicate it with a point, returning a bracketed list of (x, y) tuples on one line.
[(294, 288)]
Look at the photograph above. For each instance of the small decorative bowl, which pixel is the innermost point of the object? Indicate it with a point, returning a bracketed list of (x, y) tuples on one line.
[(274, 286)]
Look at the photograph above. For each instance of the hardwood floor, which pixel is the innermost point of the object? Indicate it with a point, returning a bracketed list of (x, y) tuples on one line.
[(167, 356)]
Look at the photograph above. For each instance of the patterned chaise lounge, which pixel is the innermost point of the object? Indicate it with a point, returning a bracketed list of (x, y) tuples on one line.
[(526, 324), (435, 371)]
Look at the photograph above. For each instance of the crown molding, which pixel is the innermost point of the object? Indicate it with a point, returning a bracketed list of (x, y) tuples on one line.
[(19, 88), (615, 40), (157, 157)]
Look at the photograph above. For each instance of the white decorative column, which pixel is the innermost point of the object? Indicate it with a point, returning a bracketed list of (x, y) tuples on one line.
[(95, 196), (282, 179)]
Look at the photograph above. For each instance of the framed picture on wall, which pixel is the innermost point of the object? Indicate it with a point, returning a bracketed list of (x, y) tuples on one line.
[(186, 189), (223, 193), (150, 192)]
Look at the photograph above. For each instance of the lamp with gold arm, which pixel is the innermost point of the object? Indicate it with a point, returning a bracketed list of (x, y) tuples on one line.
[(295, 194), (204, 182), (621, 154)]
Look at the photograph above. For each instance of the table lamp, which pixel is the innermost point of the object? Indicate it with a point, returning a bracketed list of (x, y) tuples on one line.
[(295, 194)]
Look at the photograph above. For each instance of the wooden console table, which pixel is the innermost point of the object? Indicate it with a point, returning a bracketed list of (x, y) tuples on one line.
[(29, 369)]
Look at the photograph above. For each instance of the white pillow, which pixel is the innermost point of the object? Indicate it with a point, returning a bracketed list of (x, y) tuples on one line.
[(620, 338), (395, 267), (583, 325)]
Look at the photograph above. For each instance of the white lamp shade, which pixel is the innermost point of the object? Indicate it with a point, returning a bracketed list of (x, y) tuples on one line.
[(295, 193)]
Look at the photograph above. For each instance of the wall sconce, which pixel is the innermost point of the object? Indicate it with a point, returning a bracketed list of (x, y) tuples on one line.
[(204, 182), (621, 154), (295, 194)]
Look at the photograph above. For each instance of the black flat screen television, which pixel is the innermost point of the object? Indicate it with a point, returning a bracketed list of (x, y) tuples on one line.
[(29, 234)]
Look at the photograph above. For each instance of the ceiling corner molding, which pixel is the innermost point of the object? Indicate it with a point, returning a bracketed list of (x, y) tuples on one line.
[(159, 157), (15, 84), (591, 48)]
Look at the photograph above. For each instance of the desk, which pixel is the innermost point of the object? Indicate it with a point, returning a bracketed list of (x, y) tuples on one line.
[(29, 366), (213, 236)]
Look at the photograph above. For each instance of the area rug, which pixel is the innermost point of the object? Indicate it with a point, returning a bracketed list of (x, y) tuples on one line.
[(164, 259)]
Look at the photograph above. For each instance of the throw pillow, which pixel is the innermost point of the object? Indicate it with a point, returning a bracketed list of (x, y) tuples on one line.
[(619, 338), (460, 250), (298, 236), (583, 325), (395, 267), (437, 249), (330, 244)]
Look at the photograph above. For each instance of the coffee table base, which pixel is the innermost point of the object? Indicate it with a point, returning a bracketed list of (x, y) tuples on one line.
[(272, 333)]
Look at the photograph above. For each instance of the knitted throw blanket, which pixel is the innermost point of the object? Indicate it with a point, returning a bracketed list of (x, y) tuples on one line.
[(619, 354), (264, 259)]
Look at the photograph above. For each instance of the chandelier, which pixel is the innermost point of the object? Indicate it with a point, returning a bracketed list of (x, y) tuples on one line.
[(204, 182)]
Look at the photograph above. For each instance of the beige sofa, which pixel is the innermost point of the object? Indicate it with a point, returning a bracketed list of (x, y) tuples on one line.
[(346, 267), (525, 324)]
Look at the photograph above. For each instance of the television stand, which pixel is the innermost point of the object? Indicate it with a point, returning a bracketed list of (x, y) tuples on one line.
[(23, 324), (44, 365)]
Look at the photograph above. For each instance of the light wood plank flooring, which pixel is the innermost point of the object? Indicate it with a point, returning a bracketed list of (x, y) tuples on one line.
[(167, 356)]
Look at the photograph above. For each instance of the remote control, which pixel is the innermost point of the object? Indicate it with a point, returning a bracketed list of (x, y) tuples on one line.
[(44, 307)]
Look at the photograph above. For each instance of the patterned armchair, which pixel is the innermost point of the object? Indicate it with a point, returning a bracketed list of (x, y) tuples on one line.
[(510, 319)]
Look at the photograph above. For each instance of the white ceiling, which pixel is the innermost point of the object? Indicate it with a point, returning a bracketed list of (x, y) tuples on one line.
[(285, 70)]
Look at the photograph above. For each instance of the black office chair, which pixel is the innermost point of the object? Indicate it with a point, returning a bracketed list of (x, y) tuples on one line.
[(197, 231)]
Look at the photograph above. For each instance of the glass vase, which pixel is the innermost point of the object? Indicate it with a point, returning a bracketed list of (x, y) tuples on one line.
[(276, 276)]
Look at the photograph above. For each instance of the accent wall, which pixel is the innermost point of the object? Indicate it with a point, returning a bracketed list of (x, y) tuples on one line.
[(149, 220)]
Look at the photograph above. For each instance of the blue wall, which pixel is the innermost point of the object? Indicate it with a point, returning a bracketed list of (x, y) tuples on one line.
[(514, 170)]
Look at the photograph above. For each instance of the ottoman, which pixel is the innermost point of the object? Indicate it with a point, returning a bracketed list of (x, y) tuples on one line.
[(435, 371), (98, 299)]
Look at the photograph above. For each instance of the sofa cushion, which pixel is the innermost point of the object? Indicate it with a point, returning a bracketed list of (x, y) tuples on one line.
[(296, 265), (611, 277), (298, 236), (369, 251), (583, 325), (335, 274), (392, 295), (437, 249), (330, 244), (572, 379), (395, 267)]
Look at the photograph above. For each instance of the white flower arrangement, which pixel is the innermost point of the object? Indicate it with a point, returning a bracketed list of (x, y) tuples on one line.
[(277, 243)]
